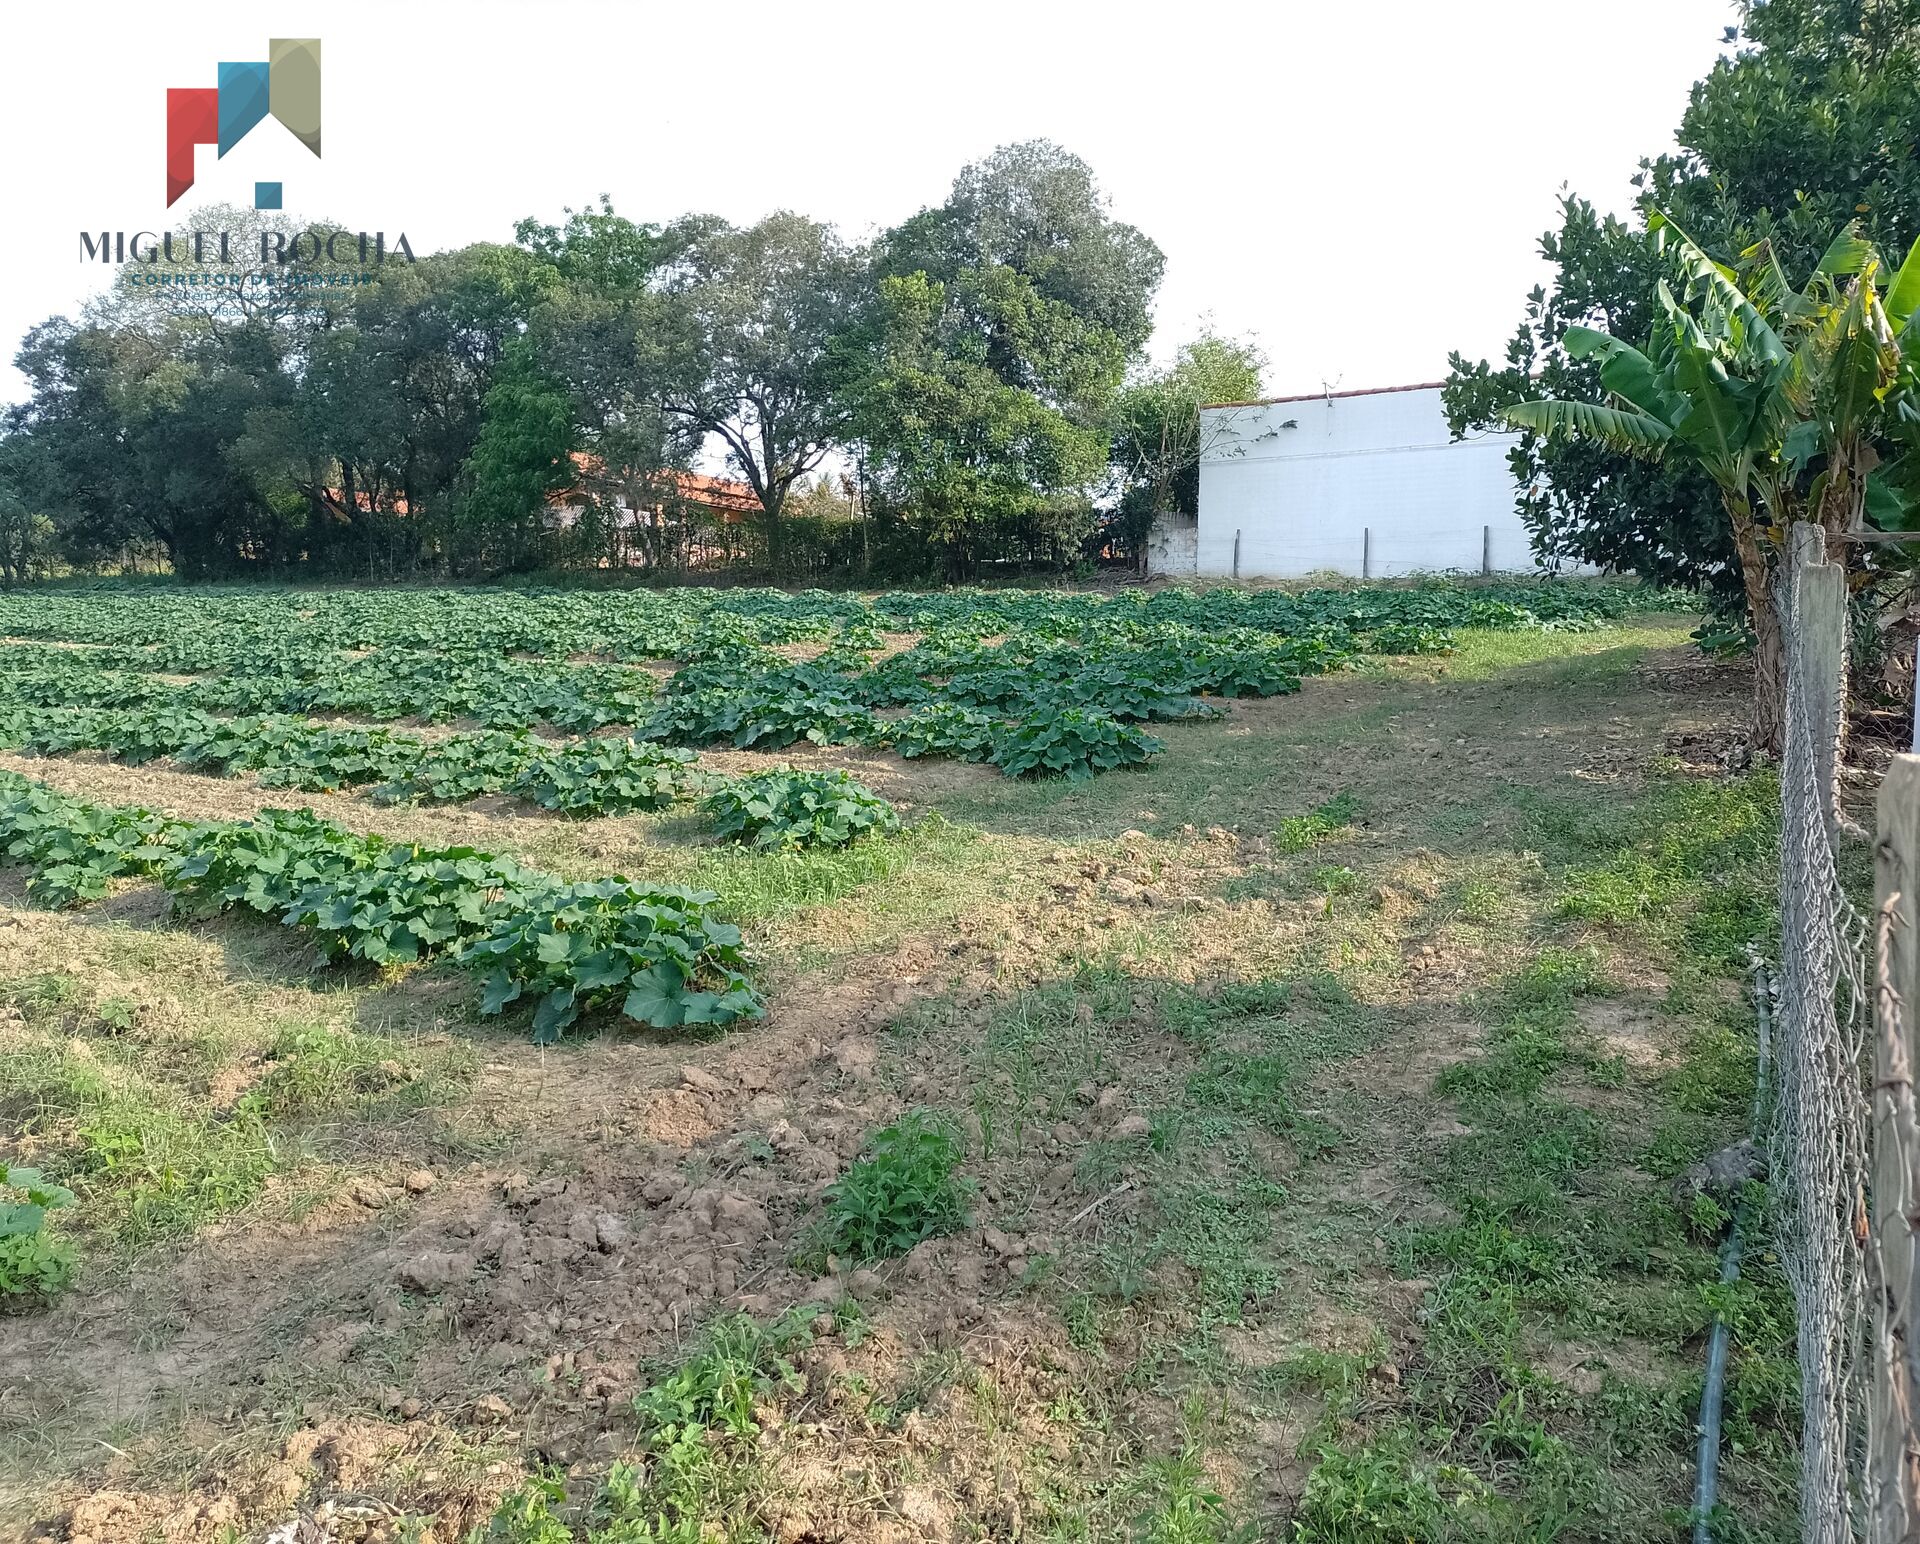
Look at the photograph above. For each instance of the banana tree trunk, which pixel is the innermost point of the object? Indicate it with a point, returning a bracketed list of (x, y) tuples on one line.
[(1769, 641)]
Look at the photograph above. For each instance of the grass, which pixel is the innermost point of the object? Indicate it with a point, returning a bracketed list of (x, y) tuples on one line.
[(1549, 1239), (167, 1094)]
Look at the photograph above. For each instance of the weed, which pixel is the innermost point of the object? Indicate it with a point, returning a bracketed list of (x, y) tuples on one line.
[(1299, 832), (901, 1190), (738, 1362), (1334, 880), (1384, 1492), (695, 1483), (1186, 1509), (1695, 871), (34, 1262)]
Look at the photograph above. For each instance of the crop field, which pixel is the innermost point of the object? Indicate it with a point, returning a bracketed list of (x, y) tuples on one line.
[(535, 1066)]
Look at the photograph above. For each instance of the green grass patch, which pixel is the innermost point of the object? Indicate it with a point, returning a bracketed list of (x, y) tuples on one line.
[(1326, 820), (1692, 870)]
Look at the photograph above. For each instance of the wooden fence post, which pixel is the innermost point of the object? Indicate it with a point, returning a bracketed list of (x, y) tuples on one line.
[(1819, 604), (1893, 1263)]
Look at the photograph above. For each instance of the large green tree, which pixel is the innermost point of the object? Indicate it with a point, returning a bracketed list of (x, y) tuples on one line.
[(421, 413), (1795, 402), (521, 456), (743, 348), (1003, 325)]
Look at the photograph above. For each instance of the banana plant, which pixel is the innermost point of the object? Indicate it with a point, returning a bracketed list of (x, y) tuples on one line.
[(1785, 397)]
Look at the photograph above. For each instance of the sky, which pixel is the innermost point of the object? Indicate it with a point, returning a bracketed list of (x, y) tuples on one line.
[(1360, 188)]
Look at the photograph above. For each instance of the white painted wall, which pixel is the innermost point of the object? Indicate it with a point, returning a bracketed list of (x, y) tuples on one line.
[(1173, 546), (1303, 482)]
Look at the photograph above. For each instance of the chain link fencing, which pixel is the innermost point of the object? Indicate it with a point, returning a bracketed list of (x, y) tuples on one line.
[(1818, 1144)]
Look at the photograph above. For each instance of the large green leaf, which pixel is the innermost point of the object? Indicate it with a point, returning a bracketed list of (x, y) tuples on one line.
[(1847, 253), (556, 1011), (1892, 505), (1622, 429), (655, 997), (1857, 362), (1721, 287), (1624, 370), (1903, 295), (1716, 420)]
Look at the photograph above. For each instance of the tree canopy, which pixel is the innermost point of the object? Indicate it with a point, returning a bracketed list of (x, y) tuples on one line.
[(511, 405)]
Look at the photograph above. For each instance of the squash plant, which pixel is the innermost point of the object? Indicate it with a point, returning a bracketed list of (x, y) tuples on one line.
[(34, 1263), (788, 809), (1071, 743), (655, 951)]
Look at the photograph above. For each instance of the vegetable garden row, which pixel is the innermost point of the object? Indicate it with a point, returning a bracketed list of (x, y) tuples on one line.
[(225, 628), (1035, 684), (218, 682), (567, 948)]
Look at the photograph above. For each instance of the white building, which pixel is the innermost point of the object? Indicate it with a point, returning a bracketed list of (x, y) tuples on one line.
[(1364, 483)]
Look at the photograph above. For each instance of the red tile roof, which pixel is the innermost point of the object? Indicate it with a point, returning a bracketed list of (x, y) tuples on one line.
[(730, 498)]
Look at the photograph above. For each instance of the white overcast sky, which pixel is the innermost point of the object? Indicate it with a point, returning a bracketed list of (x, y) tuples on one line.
[(1360, 186)]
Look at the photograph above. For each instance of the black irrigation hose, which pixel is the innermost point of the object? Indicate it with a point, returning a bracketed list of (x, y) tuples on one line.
[(1706, 1489)]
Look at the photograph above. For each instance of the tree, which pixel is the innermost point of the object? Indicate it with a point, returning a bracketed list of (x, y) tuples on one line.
[(600, 333), (1156, 430), (948, 439), (1036, 209), (746, 348), (1808, 122), (1003, 326), (522, 455), (1781, 396), (26, 535)]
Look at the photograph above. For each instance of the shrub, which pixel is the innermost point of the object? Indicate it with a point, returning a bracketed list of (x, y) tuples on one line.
[(1071, 743), (789, 809), (34, 1265), (902, 1189)]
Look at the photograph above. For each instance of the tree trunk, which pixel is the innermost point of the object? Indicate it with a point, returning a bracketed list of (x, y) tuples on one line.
[(1769, 641)]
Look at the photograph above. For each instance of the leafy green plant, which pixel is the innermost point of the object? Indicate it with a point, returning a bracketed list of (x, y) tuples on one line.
[(605, 776), (901, 1190), (655, 951), (658, 951), (943, 729), (1409, 638), (73, 848), (368, 898), (785, 808), (34, 1264), (1071, 743), (699, 1425)]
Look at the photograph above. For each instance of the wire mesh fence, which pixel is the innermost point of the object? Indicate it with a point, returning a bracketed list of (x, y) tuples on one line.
[(1819, 1141)]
